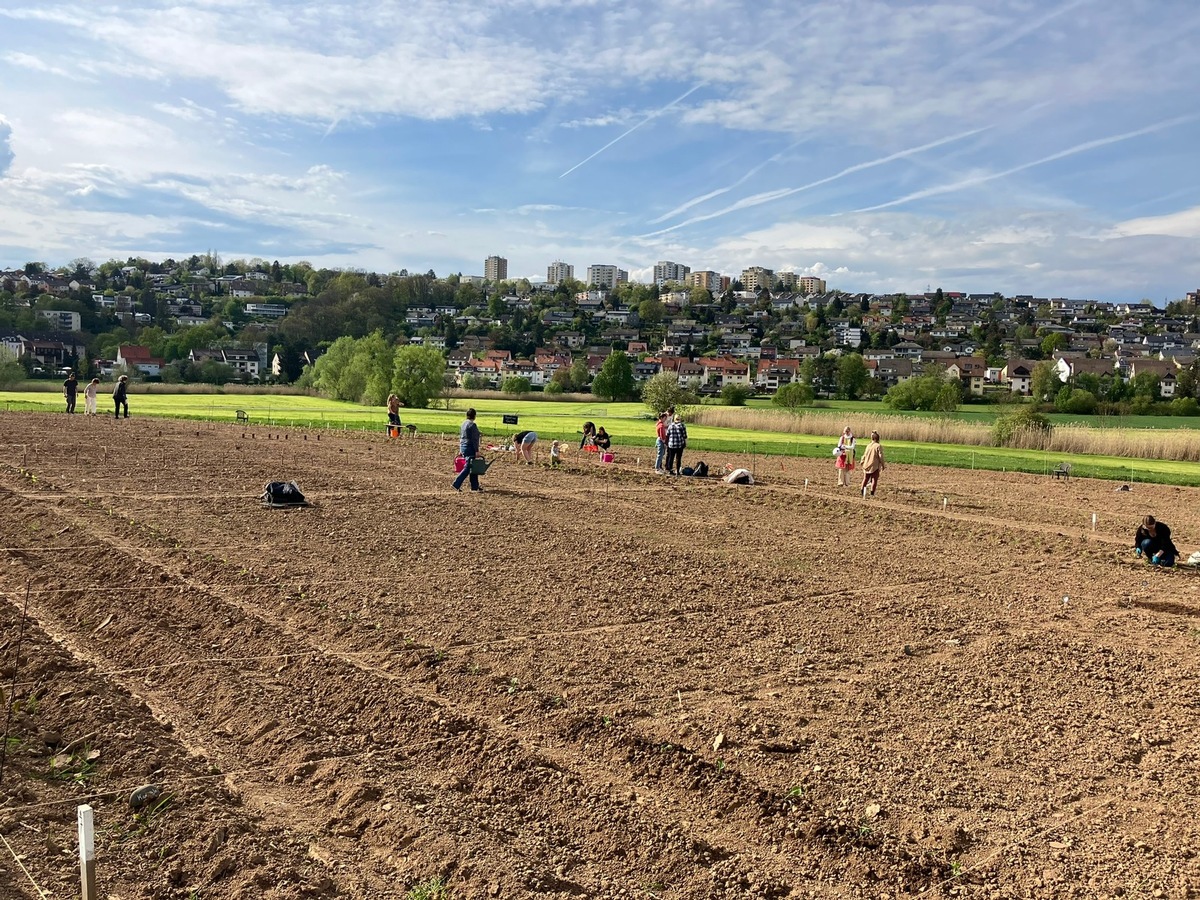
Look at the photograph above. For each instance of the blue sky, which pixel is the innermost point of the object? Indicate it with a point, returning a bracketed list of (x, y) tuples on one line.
[(1012, 145)]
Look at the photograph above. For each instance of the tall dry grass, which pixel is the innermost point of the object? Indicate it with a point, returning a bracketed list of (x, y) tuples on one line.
[(278, 390), (890, 427), (1138, 443)]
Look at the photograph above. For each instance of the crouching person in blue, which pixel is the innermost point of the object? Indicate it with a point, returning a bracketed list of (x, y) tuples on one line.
[(468, 449), (1153, 541)]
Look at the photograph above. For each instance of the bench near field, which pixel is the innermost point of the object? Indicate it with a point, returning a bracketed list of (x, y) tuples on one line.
[(1062, 470)]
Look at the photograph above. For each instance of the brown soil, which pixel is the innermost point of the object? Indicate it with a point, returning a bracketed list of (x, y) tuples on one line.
[(589, 682)]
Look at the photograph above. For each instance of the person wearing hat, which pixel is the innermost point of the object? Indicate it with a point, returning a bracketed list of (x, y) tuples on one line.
[(121, 397)]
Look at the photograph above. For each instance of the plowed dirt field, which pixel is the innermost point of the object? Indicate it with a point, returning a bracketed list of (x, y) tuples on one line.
[(583, 682)]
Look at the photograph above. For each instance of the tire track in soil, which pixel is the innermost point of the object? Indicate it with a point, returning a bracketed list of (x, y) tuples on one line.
[(204, 738)]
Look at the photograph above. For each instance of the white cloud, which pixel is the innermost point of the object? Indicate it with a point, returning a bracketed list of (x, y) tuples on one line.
[(1182, 224), (34, 63)]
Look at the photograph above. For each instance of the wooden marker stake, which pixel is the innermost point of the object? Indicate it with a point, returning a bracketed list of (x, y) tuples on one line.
[(87, 854)]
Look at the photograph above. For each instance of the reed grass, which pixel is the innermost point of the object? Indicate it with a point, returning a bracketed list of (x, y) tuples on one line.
[(1139, 443)]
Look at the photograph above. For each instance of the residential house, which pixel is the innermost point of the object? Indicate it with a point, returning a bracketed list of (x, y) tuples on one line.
[(456, 359), (890, 372), (523, 368), (646, 368), (1068, 367), (971, 372), (61, 319), (139, 359), (772, 374), (1164, 370), (1018, 375), (266, 310), (722, 370)]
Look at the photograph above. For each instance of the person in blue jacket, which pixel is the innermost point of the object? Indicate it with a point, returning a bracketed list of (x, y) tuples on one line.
[(468, 449)]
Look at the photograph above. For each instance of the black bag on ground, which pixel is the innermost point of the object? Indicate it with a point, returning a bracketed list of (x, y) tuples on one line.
[(687, 471), (283, 493), (701, 470)]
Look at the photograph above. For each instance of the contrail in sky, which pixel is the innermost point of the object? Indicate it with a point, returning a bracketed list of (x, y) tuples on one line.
[(653, 115), (968, 59), (719, 191), (769, 196), (1062, 154)]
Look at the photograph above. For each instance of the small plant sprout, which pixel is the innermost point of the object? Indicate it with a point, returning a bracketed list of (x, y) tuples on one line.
[(513, 686), (433, 889), (956, 868)]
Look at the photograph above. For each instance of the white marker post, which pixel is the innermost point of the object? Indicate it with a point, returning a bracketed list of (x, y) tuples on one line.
[(87, 854), (943, 504), (1093, 521)]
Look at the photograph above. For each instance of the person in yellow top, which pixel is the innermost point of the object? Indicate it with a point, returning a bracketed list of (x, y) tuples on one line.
[(872, 464)]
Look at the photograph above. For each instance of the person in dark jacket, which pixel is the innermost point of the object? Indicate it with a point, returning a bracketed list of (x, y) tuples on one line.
[(676, 442), (70, 388), (121, 397), (1153, 541), (468, 449)]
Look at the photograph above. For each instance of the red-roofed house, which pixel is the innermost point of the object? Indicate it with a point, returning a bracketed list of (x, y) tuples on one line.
[(138, 358)]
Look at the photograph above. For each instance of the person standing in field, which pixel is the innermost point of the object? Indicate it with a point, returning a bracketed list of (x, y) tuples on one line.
[(872, 464), (676, 442), (89, 397), (70, 388), (393, 410), (121, 397), (844, 457), (660, 440), (468, 449)]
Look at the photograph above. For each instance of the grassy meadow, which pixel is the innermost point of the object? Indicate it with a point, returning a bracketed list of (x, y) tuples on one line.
[(725, 434)]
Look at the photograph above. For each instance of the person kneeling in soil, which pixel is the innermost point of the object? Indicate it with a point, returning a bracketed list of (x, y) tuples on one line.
[(1153, 541)]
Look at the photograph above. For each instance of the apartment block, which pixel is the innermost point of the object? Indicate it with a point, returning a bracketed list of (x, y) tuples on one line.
[(558, 272), (756, 278), (665, 271), (713, 282), (495, 268), (607, 277)]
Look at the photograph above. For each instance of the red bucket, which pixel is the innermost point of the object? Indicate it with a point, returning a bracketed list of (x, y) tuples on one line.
[(606, 457), (460, 463)]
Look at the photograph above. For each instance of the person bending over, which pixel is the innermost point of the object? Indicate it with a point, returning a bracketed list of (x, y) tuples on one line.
[(1153, 541), (523, 442)]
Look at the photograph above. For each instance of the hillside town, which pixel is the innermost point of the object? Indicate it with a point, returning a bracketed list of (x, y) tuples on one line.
[(200, 319)]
